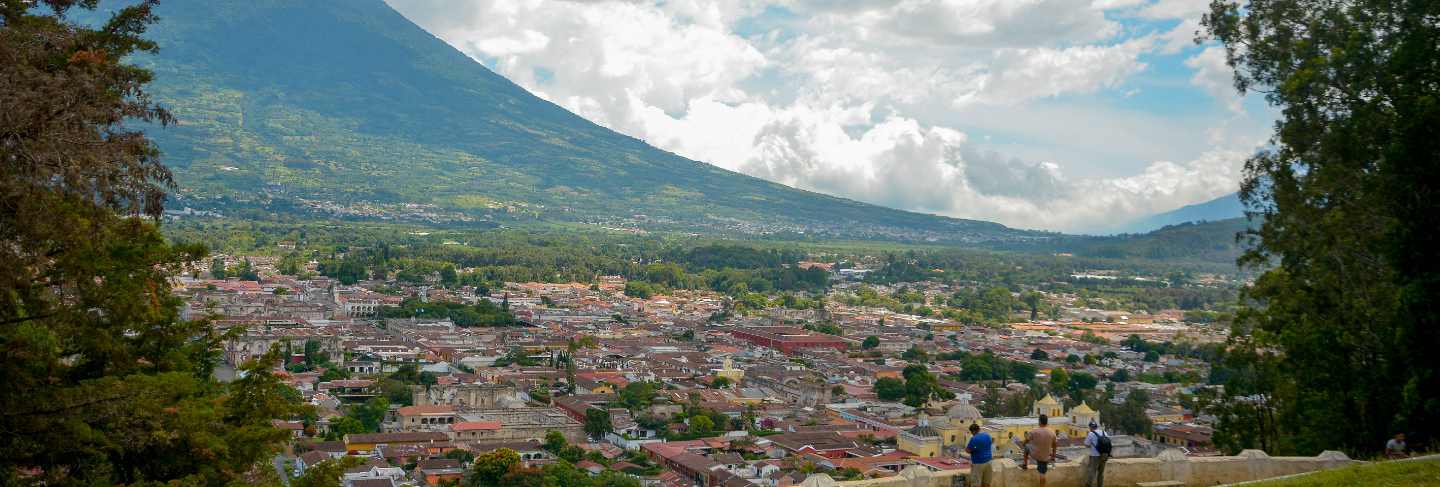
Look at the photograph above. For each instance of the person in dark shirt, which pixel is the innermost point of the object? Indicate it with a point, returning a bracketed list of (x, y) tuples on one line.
[(980, 448)]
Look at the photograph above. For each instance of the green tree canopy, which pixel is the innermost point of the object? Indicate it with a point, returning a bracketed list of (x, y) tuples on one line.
[(701, 424), (889, 389), (491, 466), (597, 422), (104, 384), (870, 342), (1348, 194)]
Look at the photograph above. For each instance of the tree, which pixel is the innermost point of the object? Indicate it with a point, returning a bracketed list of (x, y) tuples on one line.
[(464, 456), (334, 373), (556, 444), (104, 382), (1151, 356), (313, 357), (1120, 375), (448, 277), (491, 466), (1081, 382), (1129, 416), (889, 389), (597, 422), (921, 386), (217, 268), (1346, 197), (1072, 359), (370, 413), (720, 383), (327, 473), (345, 425), (1039, 354), (1022, 372), (870, 342), (1032, 300), (1059, 380), (915, 354), (637, 395), (555, 441), (701, 424)]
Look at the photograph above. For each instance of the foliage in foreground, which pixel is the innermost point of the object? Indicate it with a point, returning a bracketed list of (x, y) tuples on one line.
[(1336, 348), (103, 382)]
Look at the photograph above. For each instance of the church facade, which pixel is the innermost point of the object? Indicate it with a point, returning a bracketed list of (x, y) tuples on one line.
[(947, 435)]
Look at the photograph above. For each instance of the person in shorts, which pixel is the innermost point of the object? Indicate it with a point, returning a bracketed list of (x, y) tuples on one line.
[(1041, 445)]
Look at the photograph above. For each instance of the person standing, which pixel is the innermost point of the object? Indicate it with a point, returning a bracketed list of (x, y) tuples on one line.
[(1099, 445), (980, 448), (1042, 447)]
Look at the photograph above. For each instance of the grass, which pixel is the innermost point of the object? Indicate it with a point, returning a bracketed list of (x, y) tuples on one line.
[(1380, 474)]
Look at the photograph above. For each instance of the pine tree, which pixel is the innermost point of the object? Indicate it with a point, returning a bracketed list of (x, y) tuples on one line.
[(103, 382)]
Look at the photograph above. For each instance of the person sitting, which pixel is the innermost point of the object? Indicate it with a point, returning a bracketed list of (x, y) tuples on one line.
[(1395, 448), (1041, 444)]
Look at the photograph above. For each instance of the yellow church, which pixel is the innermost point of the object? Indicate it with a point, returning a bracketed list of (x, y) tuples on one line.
[(947, 435)]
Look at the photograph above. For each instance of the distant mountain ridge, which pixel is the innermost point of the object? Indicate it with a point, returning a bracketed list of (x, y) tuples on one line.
[(348, 109), (1222, 208)]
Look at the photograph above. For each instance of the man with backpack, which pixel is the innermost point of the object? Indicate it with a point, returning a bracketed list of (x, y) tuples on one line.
[(1100, 447)]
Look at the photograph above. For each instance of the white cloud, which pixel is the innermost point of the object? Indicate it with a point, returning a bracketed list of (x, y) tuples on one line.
[(1020, 74), (810, 150), (859, 98), (1215, 77), (1175, 9), (1180, 37)]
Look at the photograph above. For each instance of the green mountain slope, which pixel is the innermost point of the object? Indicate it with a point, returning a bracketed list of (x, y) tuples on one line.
[(1205, 241), (347, 108)]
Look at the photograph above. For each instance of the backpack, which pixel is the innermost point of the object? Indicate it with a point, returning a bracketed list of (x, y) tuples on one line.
[(1102, 444)]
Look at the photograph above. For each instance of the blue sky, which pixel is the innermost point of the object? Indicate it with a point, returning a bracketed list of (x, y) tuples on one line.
[(1071, 115)]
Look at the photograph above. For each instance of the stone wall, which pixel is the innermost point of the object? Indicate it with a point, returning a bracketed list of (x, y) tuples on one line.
[(1169, 465)]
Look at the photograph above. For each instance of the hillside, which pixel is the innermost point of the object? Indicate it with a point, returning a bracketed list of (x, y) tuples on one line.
[(1213, 241), (1207, 241), (347, 109), (1222, 208)]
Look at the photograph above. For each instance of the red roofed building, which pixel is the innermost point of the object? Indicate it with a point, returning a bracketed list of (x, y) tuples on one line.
[(475, 430), (789, 339), (426, 416)]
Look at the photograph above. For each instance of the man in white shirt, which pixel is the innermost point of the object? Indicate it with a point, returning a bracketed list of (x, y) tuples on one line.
[(1095, 463), (1395, 448)]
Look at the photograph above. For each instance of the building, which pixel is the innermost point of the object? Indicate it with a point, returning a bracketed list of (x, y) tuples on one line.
[(729, 372), (428, 417), (1074, 423), (466, 395), (947, 435), (788, 339), (1183, 435), (509, 425), (942, 436), (437, 470), (365, 443)]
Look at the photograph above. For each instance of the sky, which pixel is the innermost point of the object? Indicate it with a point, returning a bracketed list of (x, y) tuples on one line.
[(1067, 115)]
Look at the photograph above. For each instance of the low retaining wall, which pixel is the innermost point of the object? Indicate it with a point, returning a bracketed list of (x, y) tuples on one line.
[(1169, 465)]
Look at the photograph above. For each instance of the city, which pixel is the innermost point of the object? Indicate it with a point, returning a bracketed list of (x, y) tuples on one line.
[(719, 243)]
